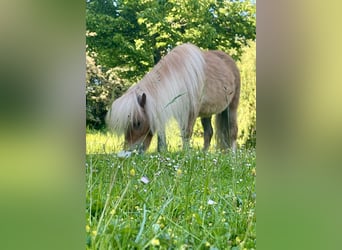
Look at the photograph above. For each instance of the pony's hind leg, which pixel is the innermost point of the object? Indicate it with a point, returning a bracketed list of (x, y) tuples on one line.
[(208, 131), (232, 117), (233, 127)]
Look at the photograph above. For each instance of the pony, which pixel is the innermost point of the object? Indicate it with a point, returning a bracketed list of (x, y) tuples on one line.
[(185, 84)]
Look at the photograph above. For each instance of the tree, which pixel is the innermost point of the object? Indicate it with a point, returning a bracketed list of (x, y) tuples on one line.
[(247, 106), (101, 88), (136, 34)]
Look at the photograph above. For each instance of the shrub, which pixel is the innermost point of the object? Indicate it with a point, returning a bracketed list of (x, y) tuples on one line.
[(101, 89), (247, 106)]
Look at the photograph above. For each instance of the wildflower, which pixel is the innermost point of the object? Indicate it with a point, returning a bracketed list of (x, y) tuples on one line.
[(160, 219), (207, 244), (184, 246), (94, 232), (156, 228), (112, 212), (87, 228), (132, 172), (155, 242), (253, 171), (179, 172), (144, 180), (237, 239), (211, 202)]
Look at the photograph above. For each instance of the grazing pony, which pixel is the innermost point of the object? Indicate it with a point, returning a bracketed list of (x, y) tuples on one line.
[(187, 83)]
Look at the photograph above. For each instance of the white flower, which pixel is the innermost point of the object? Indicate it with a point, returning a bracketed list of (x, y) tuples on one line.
[(176, 167), (211, 202), (156, 228), (144, 180)]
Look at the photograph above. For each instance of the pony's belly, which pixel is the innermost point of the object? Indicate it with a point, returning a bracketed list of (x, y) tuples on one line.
[(209, 108), (215, 100)]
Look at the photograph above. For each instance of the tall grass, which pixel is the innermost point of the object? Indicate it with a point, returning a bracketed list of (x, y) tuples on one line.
[(172, 200)]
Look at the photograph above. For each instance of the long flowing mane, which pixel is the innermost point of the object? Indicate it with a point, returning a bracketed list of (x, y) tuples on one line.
[(173, 88)]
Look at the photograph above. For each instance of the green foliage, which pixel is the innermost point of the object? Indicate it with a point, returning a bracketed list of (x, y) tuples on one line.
[(174, 200), (101, 88), (247, 106), (136, 34), (117, 28)]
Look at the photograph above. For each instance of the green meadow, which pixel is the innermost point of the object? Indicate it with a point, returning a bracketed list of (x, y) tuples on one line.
[(172, 200)]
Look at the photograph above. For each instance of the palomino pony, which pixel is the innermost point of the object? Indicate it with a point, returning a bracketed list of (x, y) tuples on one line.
[(187, 83)]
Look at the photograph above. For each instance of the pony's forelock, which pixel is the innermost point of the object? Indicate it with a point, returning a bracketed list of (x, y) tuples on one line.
[(123, 112)]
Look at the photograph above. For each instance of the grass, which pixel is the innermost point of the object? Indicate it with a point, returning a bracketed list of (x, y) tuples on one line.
[(172, 200)]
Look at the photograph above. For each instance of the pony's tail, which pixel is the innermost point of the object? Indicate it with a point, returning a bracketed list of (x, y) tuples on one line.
[(226, 129), (222, 129)]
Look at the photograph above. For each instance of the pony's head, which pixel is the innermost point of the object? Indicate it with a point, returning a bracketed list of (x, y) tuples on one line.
[(138, 133), (128, 116)]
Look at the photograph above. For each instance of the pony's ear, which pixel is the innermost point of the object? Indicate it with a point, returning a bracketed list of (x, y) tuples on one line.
[(142, 100)]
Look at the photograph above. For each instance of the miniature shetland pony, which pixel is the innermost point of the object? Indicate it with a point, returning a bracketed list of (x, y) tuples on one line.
[(187, 83)]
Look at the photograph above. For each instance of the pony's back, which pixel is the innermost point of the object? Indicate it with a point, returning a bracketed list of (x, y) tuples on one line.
[(231, 66)]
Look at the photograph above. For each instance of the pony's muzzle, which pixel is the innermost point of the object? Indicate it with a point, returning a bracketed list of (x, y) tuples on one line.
[(139, 148)]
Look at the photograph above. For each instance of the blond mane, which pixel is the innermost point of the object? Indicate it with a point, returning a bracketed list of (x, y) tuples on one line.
[(173, 88)]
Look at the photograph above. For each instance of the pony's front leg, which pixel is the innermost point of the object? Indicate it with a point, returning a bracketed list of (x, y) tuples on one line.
[(146, 142), (187, 133), (161, 142)]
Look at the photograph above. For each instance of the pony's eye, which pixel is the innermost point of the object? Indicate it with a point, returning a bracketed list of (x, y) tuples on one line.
[(136, 125)]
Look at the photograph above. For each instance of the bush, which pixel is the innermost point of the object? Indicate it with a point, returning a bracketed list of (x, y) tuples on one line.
[(247, 106), (101, 89)]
